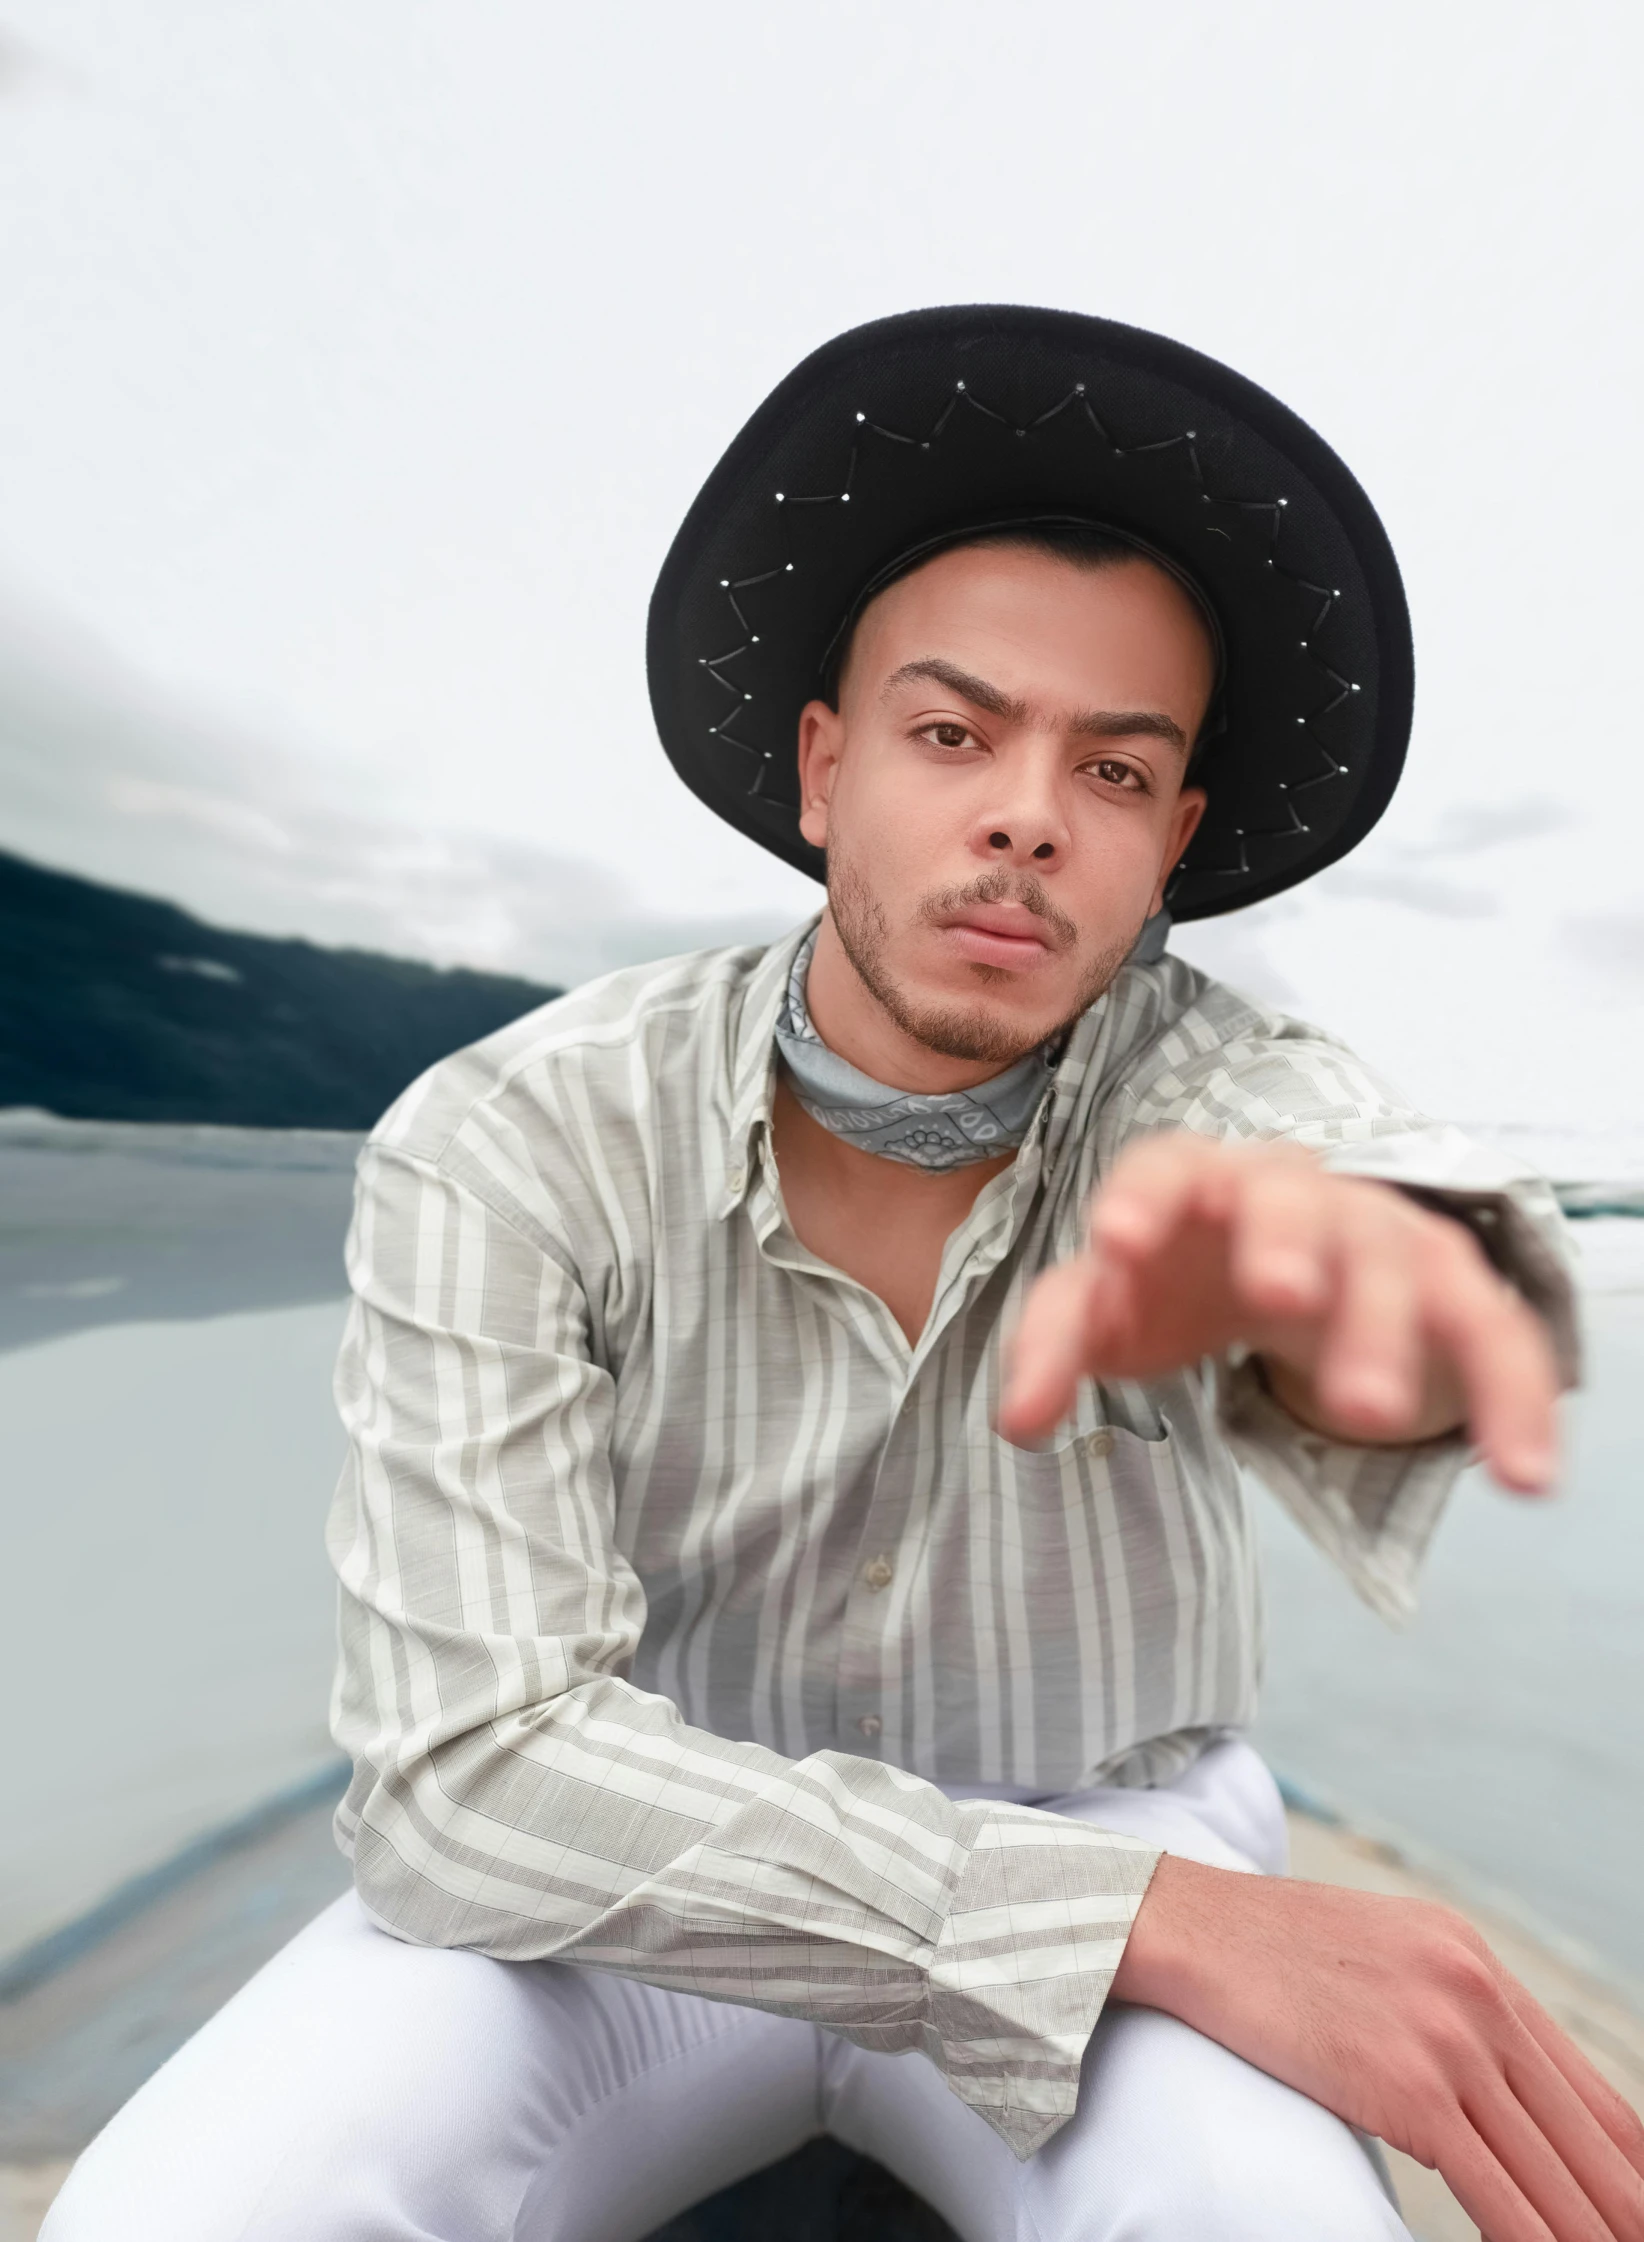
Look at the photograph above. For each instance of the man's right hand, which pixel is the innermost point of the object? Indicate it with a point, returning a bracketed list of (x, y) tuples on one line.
[(1396, 2015)]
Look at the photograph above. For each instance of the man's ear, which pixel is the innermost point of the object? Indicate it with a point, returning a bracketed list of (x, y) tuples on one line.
[(821, 737), (1184, 823)]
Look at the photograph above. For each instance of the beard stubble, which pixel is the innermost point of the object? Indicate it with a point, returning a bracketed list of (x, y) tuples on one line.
[(958, 1031)]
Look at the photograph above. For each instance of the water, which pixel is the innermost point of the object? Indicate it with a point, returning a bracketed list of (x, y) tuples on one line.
[(1506, 1727), (168, 1623)]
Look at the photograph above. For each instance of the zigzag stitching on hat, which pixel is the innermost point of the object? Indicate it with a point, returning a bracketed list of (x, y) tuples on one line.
[(1077, 398)]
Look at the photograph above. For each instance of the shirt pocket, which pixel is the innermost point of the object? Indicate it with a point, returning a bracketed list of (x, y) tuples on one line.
[(1085, 1528)]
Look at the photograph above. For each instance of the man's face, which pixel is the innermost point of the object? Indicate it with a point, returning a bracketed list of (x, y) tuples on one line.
[(1000, 789)]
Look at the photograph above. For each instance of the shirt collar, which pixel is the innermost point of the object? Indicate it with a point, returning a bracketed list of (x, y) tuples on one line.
[(753, 1060), (753, 1066)]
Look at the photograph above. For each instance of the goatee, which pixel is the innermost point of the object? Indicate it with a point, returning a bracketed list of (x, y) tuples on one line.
[(957, 1031)]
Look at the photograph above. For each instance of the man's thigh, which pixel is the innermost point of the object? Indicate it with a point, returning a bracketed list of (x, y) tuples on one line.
[(1173, 2137), (364, 2089)]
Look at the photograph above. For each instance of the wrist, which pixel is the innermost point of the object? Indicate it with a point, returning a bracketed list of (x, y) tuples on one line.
[(1439, 1412), (1168, 1951)]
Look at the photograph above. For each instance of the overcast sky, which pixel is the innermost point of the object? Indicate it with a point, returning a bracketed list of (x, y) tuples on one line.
[(361, 359)]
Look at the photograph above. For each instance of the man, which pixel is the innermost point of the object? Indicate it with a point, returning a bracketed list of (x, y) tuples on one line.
[(772, 1711)]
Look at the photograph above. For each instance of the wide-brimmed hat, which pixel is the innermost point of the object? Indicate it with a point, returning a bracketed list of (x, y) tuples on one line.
[(899, 437)]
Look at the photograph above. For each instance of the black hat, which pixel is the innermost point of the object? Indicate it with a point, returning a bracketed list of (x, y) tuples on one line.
[(899, 437)]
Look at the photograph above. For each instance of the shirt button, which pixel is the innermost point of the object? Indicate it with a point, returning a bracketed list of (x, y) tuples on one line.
[(737, 1178), (1099, 1443), (879, 1574), (870, 1724)]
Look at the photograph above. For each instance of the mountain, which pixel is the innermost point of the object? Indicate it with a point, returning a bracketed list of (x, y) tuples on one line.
[(115, 1007)]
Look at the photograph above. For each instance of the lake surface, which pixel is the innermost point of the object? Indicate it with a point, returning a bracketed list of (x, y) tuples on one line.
[(1505, 1729), (169, 1311)]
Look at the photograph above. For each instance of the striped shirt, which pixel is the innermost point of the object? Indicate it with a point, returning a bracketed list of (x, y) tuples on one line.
[(675, 1580)]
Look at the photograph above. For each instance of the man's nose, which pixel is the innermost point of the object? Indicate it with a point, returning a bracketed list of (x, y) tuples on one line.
[(1025, 827)]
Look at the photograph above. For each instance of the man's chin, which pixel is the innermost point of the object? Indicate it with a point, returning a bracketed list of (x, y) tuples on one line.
[(981, 1033)]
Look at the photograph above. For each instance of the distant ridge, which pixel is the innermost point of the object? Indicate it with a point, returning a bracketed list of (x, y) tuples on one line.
[(114, 1007)]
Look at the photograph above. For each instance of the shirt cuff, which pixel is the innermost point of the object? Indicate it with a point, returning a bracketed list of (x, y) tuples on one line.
[(1023, 1963), (1510, 1211), (1372, 1511)]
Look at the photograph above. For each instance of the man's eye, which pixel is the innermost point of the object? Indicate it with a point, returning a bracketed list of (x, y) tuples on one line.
[(1117, 774), (947, 735)]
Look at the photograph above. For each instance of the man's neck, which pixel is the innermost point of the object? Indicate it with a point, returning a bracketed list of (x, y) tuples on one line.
[(882, 1222), (855, 1026)]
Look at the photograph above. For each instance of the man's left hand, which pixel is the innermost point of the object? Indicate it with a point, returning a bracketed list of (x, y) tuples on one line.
[(1373, 1319)]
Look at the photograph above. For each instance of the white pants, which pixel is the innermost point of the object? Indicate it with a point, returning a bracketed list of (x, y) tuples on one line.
[(361, 2090)]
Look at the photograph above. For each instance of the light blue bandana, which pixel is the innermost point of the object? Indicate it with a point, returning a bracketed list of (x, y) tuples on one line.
[(947, 1129)]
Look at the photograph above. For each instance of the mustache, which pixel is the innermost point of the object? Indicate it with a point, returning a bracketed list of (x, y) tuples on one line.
[(1001, 887)]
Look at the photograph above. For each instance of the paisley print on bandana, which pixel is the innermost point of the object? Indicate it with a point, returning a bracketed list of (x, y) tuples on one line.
[(947, 1129)]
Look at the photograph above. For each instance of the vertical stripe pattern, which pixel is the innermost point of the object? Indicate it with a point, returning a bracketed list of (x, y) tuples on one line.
[(674, 1580)]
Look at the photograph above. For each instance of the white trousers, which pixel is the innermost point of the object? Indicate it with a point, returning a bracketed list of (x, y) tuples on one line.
[(361, 2090)]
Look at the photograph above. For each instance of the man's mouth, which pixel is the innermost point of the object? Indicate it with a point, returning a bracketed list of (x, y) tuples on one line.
[(999, 934)]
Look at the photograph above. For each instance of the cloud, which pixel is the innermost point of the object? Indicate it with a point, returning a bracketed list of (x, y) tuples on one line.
[(1611, 940), (101, 774), (1391, 882), (1467, 827), (1400, 870)]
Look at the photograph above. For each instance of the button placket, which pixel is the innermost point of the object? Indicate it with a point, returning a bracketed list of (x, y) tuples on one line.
[(861, 1647)]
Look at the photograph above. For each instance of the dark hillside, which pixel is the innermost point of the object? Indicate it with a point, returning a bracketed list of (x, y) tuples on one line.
[(117, 1008)]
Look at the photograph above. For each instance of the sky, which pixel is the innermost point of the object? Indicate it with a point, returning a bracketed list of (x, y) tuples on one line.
[(361, 361)]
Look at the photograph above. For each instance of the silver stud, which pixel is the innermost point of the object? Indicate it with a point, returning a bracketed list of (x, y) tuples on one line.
[(1355, 688), (747, 696), (779, 496), (861, 416), (844, 498), (1193, 435), (724, 583), (790, 568), (958, 385), (754, 641), (1284, 501), (1078, 389)]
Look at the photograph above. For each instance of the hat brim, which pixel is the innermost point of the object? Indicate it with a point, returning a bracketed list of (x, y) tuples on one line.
[(900, 434)]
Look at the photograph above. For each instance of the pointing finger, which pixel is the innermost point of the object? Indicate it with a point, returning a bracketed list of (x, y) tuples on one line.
[(1505, 1363), (1153, 1187), (1047, 1354)]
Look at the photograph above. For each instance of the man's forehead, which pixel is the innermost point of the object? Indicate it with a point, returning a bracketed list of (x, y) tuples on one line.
[(972, 589)]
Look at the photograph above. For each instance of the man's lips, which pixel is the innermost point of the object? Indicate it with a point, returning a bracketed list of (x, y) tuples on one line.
[(990, 934)]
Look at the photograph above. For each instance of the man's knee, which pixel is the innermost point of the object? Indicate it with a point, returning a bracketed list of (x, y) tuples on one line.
[(1188, 2139)]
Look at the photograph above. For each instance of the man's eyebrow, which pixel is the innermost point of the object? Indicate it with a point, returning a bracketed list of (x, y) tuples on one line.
[(976, 690), (1129, 723), (1098, 723)]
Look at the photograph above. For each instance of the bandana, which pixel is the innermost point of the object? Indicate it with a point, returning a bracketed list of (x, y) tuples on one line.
[(947, 1129)]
